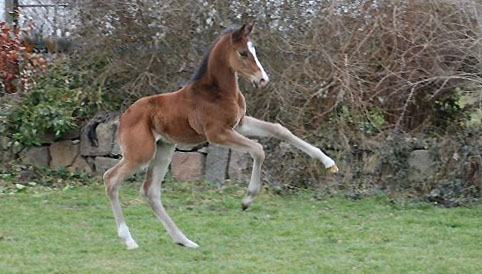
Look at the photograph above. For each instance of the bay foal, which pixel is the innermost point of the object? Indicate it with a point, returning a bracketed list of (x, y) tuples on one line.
[(210, 108)]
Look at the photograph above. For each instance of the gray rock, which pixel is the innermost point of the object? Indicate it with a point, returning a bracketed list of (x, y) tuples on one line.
[(81, 164), (4, 143), (37, 156), (47, 138), (71, 134), (5, 149), (63, 153), (15, 149), (185, 147), (216, 163), (26, 176), (90, 161), (421, 164), (239, 166), (102, 164), (196, 148), (435, 193), (188, 166)]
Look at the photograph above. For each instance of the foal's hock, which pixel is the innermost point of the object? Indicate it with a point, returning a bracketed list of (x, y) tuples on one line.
[(210, 108)]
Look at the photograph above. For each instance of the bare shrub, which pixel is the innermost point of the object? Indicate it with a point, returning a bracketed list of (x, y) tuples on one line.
[(397, 59)]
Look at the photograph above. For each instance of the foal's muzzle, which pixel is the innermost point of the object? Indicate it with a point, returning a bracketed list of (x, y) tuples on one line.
[(260, 81)]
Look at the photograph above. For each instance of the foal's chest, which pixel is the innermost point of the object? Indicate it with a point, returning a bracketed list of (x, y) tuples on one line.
[(232, 111), (241, 109)]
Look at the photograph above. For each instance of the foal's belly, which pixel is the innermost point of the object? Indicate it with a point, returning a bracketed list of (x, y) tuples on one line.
[(177, 132), (179, 139)]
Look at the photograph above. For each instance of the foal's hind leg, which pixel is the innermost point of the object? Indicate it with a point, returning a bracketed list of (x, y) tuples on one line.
[(254, 127), (151, 189), (112, 180), (137, 149)]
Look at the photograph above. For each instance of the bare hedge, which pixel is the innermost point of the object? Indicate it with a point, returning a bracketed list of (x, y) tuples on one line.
[(394, 59)]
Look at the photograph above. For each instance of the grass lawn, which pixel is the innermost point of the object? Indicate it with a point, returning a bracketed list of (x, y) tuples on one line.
[(72, 230)]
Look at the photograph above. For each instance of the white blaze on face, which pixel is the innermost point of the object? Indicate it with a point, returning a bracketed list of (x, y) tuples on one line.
[(253, 52)]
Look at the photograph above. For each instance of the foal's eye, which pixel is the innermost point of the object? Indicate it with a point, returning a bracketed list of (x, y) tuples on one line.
[(243, 54)]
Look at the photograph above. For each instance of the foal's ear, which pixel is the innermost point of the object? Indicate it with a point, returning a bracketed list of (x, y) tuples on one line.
[(238, 34), (249, 29), (242, 32)]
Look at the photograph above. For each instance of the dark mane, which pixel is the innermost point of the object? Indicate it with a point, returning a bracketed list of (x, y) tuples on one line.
[(203, 66)]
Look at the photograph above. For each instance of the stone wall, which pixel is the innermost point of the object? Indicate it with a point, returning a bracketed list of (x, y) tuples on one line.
[(73, 151)]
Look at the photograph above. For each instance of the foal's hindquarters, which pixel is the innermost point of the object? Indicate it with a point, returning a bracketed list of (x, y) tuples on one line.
[(140, 148)]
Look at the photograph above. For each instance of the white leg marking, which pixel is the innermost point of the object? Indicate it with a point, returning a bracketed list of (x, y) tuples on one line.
[(311, 150), (113, 178), (124, 233)]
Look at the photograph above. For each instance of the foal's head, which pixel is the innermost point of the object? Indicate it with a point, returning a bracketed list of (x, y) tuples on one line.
[(243, 59)]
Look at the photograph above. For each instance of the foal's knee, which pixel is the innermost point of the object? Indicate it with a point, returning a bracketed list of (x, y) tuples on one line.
[(107, 177), (281, 132), (258, 153)]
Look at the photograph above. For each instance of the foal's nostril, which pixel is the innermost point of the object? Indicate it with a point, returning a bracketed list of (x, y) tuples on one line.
[(263, 81)]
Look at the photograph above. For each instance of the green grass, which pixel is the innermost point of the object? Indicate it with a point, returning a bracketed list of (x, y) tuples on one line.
[(72, 230)]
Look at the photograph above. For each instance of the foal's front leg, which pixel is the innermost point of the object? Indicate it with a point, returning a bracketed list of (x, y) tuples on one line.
[(254, 127), (234, 140)]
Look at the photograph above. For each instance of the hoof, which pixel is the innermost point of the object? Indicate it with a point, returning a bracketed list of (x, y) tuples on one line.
[(244, 206), (332, 169), (131, 245), (188, 243), (246, 202)]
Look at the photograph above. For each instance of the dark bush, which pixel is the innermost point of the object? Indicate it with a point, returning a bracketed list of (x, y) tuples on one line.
[(55, 104)]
